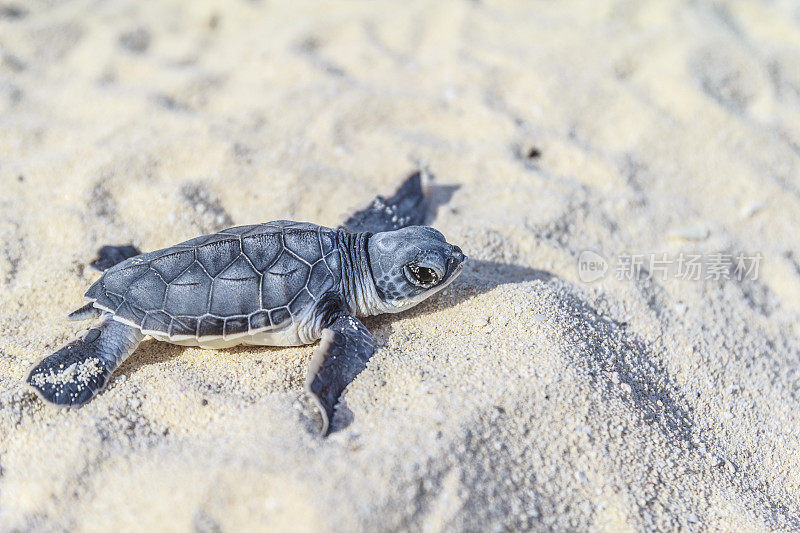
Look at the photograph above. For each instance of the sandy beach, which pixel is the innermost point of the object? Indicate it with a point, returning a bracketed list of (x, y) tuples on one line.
[(576, 376)]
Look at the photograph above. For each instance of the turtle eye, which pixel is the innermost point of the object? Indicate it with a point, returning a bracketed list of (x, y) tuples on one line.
[(420, 275)]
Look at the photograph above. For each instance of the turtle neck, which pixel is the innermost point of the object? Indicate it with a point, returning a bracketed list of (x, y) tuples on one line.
[(358, 286)]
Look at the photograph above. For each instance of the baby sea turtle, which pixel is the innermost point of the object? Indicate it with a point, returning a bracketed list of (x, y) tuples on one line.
[(280, 283)]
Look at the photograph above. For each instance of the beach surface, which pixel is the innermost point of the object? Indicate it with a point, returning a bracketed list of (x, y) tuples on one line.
[(577, 376)]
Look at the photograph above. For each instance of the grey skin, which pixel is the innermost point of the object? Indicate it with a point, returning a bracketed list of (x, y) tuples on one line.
[(280, 283)]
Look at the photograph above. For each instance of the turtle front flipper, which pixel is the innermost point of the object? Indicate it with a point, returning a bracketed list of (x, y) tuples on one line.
[(343, 352), (81, 368), (407, 207), (109, 255)]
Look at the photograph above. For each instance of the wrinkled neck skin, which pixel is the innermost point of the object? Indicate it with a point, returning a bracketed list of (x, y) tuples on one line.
[(358, 287)]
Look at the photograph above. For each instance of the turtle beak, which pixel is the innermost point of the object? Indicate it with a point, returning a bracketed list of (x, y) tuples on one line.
[(455, 261), (457, 256)]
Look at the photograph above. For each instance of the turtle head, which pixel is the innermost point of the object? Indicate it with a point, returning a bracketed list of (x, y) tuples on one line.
[(410, 264)]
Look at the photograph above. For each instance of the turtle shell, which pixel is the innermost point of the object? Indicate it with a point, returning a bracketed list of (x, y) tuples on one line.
[(239, 281)]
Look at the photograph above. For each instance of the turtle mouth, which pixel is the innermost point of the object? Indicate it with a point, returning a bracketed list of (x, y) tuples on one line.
[(457, 255), (454, 265)]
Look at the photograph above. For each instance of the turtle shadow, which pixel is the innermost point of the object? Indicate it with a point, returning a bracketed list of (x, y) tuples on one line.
[(152, 352), (437, 197), (149, 352), (478, 277)]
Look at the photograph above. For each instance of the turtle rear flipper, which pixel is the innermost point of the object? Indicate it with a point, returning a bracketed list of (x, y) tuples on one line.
[(85, 312), (109, 255), (81, 368)]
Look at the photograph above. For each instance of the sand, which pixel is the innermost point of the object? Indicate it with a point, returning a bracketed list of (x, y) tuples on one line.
[(523, 397)]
